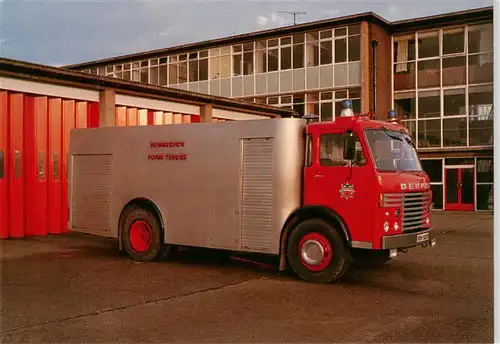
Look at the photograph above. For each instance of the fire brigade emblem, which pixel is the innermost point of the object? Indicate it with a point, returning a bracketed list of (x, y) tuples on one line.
[(347, 191)]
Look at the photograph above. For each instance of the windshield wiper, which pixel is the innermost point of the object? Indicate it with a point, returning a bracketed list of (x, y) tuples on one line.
[(391, 135), (407, 139)]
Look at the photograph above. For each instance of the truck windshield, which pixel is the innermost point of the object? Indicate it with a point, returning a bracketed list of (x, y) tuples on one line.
[(392, 150)]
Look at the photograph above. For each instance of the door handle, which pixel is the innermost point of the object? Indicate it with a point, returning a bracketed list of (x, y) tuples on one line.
[(318, 176)]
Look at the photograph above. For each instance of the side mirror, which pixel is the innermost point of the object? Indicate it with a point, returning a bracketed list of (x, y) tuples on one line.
[(349, 148)]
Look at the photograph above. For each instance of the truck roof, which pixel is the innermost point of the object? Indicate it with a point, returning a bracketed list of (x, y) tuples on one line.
[(361, 121)]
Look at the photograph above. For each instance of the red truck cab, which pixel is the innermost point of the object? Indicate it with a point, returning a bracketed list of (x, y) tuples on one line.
[(367, 175)]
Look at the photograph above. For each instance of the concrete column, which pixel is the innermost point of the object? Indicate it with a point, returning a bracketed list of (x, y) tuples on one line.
[(107, 108), (206, 113)]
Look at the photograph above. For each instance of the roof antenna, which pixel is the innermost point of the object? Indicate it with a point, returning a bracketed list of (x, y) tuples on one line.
[(294, 15)]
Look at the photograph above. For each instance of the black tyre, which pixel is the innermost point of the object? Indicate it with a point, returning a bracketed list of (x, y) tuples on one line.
[(142, 236), (370, 258), (317, 252)]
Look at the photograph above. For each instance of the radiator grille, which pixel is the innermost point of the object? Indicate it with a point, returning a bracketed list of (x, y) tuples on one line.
[(414, 207), (92, 192), (257, 193)]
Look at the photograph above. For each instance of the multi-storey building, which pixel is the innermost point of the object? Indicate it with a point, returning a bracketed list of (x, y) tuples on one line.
[(436, 72)]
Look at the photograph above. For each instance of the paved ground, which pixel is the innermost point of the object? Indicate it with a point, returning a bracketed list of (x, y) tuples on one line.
[(78, 289)]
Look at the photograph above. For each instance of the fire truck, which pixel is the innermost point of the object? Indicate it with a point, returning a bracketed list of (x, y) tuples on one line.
[(318, 196)]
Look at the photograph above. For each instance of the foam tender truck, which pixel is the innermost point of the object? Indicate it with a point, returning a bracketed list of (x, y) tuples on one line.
[(318, 195)]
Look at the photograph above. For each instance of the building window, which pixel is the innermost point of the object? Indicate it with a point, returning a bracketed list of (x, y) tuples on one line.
[(173, 73), (118, 72), (291, 101), (428, 45), (451, 72), (454, 71), (193, 67), (163, 71), (237, 60), (298, 51), (248, 63), (455, 121), (272, 55), (299, 103), (328, 105), (429, 73), (219, 63), (453, 41), (183, 69), (325, 54), (405, 105), (484, 178), (434, 169), (481, 115), (110, 71), (203, 66), (260, 57), (354, 48), (312, 52)]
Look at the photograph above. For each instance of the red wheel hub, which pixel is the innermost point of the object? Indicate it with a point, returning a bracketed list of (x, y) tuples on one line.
[(315, 251), (140, 235)]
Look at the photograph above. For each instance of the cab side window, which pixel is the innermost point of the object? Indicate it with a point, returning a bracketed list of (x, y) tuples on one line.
[(332, 151)]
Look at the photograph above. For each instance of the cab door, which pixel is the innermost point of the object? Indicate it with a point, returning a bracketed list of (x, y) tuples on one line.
[(330, 181)]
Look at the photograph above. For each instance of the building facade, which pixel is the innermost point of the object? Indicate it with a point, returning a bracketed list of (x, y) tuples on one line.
[(436, 72)]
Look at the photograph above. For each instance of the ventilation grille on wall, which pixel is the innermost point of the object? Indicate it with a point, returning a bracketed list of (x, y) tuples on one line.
[(92, 192), (257, 193)]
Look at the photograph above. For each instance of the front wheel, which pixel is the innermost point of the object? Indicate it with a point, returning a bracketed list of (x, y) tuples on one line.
[(317, 253)]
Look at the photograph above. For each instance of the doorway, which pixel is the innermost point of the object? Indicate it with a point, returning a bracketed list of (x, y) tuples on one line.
[(459, 188)]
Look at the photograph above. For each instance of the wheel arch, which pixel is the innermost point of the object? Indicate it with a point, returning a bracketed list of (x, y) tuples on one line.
[(144, 203), (307, 213)]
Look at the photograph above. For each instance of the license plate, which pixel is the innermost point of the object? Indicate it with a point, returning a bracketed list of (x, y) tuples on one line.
[(422, 237)]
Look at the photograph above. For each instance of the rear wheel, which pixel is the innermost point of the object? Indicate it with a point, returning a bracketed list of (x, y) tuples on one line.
[(317, 252), (142, 236)]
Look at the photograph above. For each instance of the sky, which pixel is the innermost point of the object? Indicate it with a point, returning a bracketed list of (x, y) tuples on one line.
[(62, 32)]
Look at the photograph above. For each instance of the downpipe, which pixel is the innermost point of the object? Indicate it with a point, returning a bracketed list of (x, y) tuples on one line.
[(374, 74)]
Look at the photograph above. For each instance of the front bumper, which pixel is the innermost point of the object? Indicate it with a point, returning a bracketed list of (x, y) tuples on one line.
[(407, 240)]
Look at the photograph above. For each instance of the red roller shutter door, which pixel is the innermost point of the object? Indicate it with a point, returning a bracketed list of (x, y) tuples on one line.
[(16, 166), (35, 141), (4, 163), (68, 124), (54, 165)]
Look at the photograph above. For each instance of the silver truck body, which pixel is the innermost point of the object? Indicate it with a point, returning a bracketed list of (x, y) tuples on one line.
[(229, 185)]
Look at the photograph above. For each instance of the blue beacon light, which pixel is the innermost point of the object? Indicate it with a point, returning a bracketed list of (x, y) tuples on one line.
[(347, 104), (392, 115), (347, 110)]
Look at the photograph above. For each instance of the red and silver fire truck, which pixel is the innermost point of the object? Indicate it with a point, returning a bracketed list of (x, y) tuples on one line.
[(318, 195)]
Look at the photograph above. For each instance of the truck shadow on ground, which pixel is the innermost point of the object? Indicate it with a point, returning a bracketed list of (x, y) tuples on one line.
[(400, 274), (269, 266)]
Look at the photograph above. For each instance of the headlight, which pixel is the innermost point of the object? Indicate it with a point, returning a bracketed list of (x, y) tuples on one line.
[(386, 226), (396, 226)]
